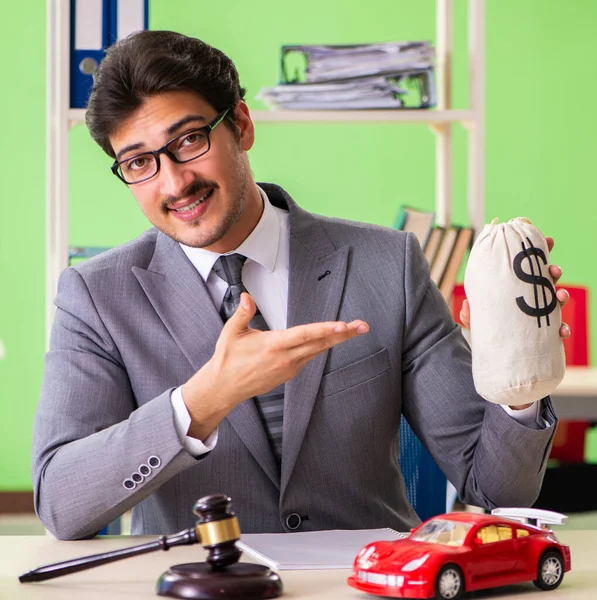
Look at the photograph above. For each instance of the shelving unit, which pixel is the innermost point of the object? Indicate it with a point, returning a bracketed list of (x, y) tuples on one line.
[(60, 118)]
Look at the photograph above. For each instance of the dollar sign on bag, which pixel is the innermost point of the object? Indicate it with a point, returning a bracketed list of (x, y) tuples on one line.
[(537, 281)]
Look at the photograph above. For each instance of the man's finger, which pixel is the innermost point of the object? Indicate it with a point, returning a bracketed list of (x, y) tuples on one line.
[(465, 314), (550, 243), (312, 332), (564, 331), (243, 314), (563, 296), (306, 352), (314, 347), (555, 272)]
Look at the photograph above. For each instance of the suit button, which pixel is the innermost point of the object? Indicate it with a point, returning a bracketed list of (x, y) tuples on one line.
[(293, 521), (154, 462), (129, 484), (144, 470), (137, 477)]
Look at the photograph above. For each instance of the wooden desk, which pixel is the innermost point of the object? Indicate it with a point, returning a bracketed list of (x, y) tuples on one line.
[(136, 577), (576, 397)]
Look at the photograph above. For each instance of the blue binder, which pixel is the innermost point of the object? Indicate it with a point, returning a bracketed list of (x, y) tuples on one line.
[(89, 39), (95, 25), (127, 16)]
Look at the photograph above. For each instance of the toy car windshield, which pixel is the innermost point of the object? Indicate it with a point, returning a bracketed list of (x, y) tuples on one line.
[(442, 531)]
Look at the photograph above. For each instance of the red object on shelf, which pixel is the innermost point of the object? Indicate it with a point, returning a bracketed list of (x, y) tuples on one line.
[(569, 440), (458, 297), (461, 552)]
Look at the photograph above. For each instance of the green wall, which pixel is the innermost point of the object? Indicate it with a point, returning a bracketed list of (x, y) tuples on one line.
[(22, 230), (541, 63)]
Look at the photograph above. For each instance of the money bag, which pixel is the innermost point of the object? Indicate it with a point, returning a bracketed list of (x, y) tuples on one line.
[(517, 353)]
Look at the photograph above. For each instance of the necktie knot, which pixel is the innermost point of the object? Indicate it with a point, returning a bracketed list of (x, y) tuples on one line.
[(229, 267)]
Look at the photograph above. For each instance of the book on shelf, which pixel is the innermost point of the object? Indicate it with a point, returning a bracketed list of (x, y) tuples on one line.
[(444, 248), (414, 220), (433, 243), (442, 257), (461, 246), (77, 254), (328, 549)]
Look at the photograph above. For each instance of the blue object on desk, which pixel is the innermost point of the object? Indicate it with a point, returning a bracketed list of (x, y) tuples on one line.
[(426, 485), (114, 528)]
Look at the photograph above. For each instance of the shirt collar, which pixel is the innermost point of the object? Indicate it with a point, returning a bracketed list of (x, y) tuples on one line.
[(261, 245)]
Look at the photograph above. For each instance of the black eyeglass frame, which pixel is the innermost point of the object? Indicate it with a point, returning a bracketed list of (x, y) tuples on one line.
[(164, 150)]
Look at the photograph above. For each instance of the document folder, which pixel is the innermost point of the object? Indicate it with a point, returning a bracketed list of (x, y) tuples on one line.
[(89, 39), (95, 25), (127, 16)]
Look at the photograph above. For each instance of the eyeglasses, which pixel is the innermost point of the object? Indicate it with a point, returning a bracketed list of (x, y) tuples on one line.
[(182, 149)]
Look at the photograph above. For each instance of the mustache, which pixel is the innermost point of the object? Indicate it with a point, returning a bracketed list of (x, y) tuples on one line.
[(195, 188)]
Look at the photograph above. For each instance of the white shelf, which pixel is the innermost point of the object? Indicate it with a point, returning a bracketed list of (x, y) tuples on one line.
[(576, 397), (76, 115), (579, 382), (422, 116)]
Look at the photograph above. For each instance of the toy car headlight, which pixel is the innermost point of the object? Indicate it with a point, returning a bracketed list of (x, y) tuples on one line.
[(415, 564), (364, 556)]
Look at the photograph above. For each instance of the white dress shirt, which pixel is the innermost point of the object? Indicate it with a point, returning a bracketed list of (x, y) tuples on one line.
[(265, 275)]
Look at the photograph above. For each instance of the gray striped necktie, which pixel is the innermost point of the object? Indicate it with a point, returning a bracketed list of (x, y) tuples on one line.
[(270, 405)]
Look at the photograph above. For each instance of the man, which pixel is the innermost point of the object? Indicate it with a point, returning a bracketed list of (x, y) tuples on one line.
[(164, 382)]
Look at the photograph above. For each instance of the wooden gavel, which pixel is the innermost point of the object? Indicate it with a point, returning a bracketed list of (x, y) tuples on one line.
[(221, 576), (217, 530)]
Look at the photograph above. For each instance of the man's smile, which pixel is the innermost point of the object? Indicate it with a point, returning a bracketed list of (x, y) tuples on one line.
[(192, 207)]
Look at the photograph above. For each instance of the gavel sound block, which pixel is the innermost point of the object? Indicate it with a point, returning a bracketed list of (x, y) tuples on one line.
[(220, 577)]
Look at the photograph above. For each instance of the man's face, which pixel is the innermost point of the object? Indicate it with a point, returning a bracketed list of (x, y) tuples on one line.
[(220, 200)]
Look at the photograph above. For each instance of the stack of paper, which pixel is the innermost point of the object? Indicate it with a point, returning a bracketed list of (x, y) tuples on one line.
[(332, 63), (329, 549), (355, 76)]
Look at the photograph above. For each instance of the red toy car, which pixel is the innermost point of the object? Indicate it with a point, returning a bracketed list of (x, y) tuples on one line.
[(457, 552)]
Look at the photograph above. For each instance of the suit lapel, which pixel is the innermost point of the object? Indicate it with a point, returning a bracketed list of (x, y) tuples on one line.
[(316, 281), (182, 301)]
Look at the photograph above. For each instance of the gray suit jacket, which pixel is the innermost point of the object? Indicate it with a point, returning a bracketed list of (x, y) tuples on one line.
[(137, 321)]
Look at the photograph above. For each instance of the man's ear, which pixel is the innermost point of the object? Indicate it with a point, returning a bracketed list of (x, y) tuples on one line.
[(246, 129)]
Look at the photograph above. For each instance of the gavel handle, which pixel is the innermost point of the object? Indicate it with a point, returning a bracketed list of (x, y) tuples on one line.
[(186, 537)]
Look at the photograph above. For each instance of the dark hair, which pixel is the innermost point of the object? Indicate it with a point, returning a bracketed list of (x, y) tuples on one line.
[(147, 63)]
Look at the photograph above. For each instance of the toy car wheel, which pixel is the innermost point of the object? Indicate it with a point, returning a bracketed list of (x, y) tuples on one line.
[(550, 572), (449, 583)]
